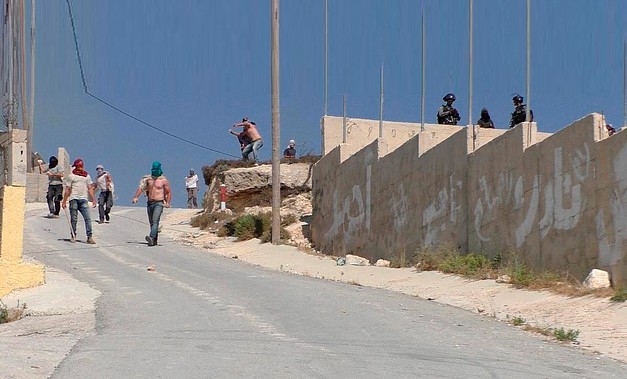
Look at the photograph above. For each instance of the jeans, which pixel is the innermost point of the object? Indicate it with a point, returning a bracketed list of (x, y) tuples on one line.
[(192, 197), (80, 205), (54, 196), (154, 208), (105, 203), (252, 147)]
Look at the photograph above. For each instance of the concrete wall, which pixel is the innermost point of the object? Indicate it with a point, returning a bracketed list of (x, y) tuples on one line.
[(560, 199), (14, 274)]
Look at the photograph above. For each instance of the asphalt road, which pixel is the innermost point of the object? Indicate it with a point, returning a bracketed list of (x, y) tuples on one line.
[(199, 315)]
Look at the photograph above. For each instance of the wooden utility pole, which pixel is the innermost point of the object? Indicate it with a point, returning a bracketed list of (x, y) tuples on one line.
[(276, 159)]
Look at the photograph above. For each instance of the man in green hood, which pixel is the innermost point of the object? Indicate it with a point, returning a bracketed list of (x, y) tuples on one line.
[(157, 189)]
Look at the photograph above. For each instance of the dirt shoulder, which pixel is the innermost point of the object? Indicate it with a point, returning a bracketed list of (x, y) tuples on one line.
[(602, 323)]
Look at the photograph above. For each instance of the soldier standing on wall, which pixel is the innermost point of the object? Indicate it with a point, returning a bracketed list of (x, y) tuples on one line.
[(520, 112), (447, 114)]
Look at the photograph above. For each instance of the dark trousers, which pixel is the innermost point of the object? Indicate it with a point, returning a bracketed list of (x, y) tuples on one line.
[(54, 196), (105, 203)]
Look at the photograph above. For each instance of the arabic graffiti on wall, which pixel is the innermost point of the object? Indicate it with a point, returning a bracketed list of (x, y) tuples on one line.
[(610, 253), (558, 212), (433, 217)]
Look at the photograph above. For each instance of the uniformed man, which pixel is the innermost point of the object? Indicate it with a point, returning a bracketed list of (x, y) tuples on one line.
[(447, 114), (520, 112)]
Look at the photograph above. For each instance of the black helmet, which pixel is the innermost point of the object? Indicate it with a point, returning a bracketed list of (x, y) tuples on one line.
[(517, 99), (449, 96)]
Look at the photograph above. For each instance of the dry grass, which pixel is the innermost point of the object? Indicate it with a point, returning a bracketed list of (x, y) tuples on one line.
[(512, 264), (11, 314)]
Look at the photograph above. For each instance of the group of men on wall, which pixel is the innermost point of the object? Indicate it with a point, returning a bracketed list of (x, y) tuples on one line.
[(448, 115)]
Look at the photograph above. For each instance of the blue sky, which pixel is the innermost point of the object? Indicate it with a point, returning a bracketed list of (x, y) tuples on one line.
[(194, 67)]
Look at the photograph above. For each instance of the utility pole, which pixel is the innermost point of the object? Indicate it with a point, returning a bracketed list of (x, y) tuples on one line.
[(625, 83), (470, 63), (381, 103), (422, 58), (528, 113), (276, 160), (326, 59), (31, 118)]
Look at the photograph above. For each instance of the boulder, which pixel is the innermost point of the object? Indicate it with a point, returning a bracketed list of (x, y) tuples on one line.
[(356, 260), (382, 263), (597, 279)]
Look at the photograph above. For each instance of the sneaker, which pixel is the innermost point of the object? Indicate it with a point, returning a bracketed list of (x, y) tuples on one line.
[(100, 221), (107, 217), (56, 216), (50, 215), (91, 241), (150, 240), (72, 239)]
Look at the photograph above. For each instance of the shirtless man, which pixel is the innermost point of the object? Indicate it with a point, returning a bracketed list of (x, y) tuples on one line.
[(250, 130), (157, 189)]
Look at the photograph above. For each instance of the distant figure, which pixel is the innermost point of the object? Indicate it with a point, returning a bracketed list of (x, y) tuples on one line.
[(104, 184), (485, 121), (191, 185), (290, 151), (447, 114), (255, 142), (55, 186), (79, 191), (610, 129), (520, 112), (157, 189)]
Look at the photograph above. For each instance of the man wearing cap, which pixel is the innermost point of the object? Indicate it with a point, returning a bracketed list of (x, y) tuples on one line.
[(290, 151), (191, 185), (157, 189), (105, 199), (78, 192)]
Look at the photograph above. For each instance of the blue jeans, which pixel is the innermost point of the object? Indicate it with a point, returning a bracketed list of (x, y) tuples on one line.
[(154, 208), (252, 147), (80, 205)]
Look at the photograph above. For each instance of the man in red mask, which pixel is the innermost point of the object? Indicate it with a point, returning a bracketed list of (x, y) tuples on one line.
[(79, 191)]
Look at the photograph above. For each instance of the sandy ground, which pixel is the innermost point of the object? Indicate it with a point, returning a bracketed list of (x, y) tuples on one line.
[(602, 323)]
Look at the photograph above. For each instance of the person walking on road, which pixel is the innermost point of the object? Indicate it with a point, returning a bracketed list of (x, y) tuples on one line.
[(157, 189), (191, 185), (55, 186), (79, 191), (104, 184)]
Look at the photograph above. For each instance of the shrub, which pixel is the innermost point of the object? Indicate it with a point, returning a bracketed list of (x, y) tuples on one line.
[(252, 226), (466, 265), (620, 295), (565, 335)]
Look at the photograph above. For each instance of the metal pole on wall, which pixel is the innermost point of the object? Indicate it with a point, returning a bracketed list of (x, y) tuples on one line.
[(10, 105), (422, 96), (625, 83), (528, 115), (470, 63), (326, 59), (31, 121), (344, 131), (381, 104), (276, 160)]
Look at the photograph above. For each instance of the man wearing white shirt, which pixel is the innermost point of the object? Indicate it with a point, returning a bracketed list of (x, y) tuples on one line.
[(191, 184)]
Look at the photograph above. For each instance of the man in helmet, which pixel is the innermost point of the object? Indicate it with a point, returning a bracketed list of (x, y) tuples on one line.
[(78, 191), (520, 112), (447, 114)]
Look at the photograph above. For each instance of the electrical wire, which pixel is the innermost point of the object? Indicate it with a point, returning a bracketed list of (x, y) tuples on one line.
[(86, 89)]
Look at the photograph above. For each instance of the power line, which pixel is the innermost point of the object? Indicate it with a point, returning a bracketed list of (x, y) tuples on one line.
[(86, 89)]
